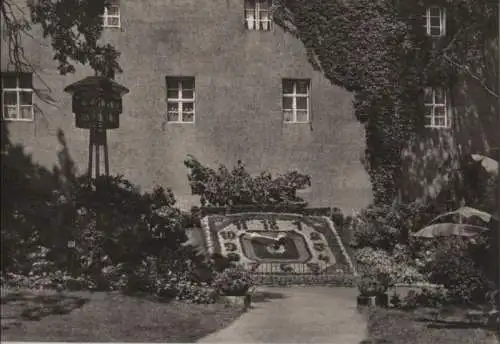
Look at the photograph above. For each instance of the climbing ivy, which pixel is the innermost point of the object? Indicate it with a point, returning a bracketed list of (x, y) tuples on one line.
[(379, 50)]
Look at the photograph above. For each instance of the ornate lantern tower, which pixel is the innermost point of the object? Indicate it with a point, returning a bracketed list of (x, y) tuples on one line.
[(97, 105)]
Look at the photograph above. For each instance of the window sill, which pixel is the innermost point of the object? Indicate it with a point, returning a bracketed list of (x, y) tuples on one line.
[(179, 122), (17, 120), (288, 122), (437, 127)]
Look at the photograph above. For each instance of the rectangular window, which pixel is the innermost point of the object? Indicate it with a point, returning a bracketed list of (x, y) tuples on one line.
[(180, 99), (258, 15), (436, 108), (17, 96), (296, 100), (111, 16), (435, 22)]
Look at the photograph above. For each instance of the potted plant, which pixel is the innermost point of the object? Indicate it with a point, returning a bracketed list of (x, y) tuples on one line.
[(234, 281)]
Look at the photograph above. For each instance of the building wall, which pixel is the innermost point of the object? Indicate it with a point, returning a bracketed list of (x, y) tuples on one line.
[(238, 77)]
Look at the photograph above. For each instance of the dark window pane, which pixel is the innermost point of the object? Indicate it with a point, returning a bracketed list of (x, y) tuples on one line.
[(302, 86), (26, 98), (113, 21), (9, 81), (440, 121), (287, 86), (9, 111), (250, 4), (187, 107), (288, 115), (287, 103), (435, 12), (428, 95), (439, 95), (26, 112), (302, 116), (172, 93), (188, 117), (10, 98), (173, 116), (172, 107), (172, 83), (302, 103), (440, 111), (187, 94), (26, 80), (188, 84), (435, 31)]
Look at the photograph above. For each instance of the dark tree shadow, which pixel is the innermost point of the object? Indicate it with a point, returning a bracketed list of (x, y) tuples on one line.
[(266, 296), (433, 157), (26, 306)]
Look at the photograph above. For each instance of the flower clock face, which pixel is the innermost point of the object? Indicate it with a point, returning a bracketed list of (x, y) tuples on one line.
[(283, 242)]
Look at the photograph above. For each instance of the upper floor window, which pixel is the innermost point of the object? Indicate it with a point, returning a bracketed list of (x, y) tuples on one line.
[(296, 107), (435, 21), (17, 96), (180, 99), (258, 15), (437, 114), (111, 16)]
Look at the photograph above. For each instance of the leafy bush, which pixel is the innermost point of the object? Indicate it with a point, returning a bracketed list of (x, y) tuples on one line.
[(385, 226), (373, 284), (431, 298), (224, 187), (233, 281), (454, 267)]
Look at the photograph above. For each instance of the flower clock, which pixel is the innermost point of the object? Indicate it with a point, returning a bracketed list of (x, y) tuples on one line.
[(288, 242)]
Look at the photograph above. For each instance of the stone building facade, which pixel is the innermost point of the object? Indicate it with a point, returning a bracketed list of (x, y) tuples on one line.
[(220, 82)]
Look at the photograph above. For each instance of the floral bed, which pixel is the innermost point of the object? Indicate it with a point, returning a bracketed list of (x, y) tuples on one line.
[(310, 244)]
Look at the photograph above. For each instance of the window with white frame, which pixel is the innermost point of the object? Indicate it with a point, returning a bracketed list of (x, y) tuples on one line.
[(258, 15), (437, 114), (296, 100), (435, 21), (17, 96), (180, 99), (111, 16)]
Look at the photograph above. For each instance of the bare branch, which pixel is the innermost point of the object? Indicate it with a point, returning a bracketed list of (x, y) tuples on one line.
[(471, 74)]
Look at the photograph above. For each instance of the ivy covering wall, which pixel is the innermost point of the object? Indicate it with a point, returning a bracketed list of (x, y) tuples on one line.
[(380, 51)]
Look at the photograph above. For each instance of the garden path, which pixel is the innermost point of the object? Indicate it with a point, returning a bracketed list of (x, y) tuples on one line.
[(298, 315)]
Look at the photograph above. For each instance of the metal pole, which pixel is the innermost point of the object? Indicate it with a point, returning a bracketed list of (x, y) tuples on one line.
[(498, 177), (91, 153)]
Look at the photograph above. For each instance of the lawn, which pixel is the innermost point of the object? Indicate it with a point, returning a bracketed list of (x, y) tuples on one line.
[(394, 327), (100, 317)]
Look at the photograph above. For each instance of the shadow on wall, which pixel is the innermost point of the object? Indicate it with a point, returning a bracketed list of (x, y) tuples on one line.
[(435, 154)]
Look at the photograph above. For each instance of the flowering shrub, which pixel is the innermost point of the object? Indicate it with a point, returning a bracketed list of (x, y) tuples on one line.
[(400, 268), (233, 281), (224, 187)]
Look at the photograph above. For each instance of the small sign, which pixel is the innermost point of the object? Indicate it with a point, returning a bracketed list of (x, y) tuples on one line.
[(71, 244)]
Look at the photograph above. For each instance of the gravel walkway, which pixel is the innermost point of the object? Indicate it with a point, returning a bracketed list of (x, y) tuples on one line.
[(298, 315)]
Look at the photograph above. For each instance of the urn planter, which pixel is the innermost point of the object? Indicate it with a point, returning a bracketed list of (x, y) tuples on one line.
[(240, 301)]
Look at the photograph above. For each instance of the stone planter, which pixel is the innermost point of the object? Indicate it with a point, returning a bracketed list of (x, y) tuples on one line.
[(243, 301), (365, 301), (380, 300)]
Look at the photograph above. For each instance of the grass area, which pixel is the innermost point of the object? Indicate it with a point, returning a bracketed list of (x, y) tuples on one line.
[(394, 326), (102, 317)]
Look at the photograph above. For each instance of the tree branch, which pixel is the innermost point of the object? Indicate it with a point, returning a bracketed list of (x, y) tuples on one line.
[(472, 75)]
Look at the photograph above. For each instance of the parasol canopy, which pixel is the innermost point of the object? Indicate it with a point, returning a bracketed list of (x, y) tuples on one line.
[(449, 229), (489, 164), (466, 214)]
